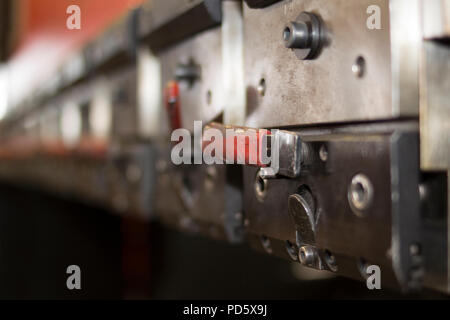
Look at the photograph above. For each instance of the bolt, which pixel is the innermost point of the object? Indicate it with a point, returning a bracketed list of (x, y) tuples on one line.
[(303, 35), (307, 255)]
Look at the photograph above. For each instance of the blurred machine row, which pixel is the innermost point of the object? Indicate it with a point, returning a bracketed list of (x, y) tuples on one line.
[(369, 105)]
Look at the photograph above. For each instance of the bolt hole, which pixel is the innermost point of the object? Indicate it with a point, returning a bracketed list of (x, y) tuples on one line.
[(302, 255), (208, 97), (265, 242), (414, 249), (359, 67), (330, 260), (262, 87), (260, 187), (362, 265), (360, 194), (291, 250), (323, 153)]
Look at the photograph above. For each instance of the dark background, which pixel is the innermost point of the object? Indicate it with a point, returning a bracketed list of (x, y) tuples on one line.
[(122, 258)]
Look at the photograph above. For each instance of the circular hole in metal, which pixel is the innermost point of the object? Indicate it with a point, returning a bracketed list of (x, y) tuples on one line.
[(291, 250), (330, 260), (260, 187), (208, 97), (323, 153), (359, 67), (261, 87), (362, 265), (265, 242), (360, 194), (286, 33), (414, 249)]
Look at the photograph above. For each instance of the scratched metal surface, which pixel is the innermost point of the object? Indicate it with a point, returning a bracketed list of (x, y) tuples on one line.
[(325, 89)]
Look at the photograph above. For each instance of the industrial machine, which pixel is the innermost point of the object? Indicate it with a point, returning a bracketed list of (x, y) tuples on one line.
[(356, 93)]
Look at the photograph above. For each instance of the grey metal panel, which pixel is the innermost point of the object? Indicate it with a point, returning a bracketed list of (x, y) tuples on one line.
[(206, 50), (325, 89)]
